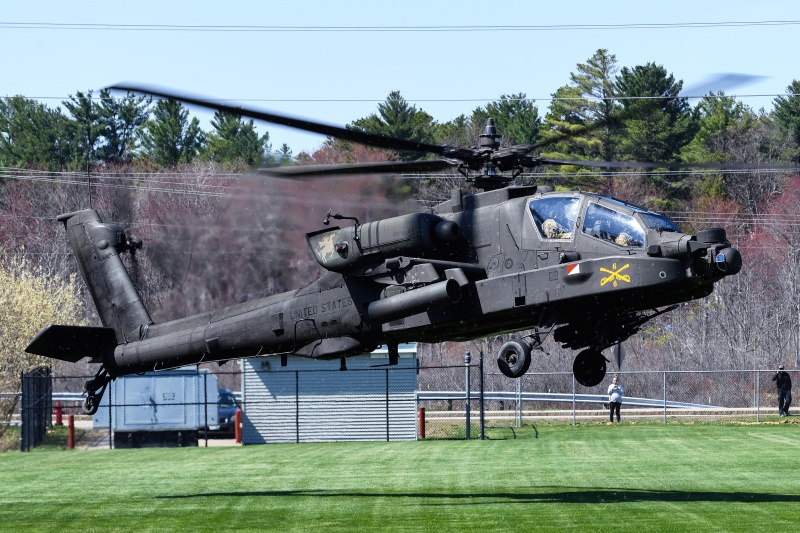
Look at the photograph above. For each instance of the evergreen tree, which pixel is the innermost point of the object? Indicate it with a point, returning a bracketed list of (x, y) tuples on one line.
[(235, 141), (582, 121), (565, 122), (596, 81), (84, 128), (397, 118), (787, 113), (456, 132), (32, 135), (721, 121), (516, 118), (284, 155), (120, 121), (170, 137), (657, 124)]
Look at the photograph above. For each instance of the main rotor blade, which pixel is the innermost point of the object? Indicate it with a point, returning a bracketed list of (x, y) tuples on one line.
[(369, 139), (384, 167), (532, 162)]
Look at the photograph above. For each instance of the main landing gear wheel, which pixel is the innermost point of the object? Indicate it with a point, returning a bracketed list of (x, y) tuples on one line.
[(589, 367), (514, 358)]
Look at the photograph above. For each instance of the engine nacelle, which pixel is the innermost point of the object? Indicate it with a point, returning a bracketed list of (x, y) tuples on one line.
[(414, 235)]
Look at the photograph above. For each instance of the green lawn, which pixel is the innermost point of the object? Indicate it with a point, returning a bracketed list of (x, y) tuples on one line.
[(585, 478)]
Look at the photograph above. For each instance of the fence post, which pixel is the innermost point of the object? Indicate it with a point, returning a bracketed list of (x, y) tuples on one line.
[(387, 405), (483, 412), (467, 360), (110, 412), (297, 406), (518, 407), (22, 422), (71, 432), (205, 407), (758, 396), (574, 418), (421, 415), (665, 396), (237, 428)]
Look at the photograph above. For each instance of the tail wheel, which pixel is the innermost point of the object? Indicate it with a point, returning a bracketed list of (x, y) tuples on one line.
[(91, 404), (94, 389), (514, 358), (589, 367)]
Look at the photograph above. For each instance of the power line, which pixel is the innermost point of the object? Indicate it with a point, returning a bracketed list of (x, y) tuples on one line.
[(436, 100), (387, 29)]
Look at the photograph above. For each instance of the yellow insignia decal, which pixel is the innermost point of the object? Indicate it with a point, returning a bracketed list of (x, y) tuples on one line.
[(614, 275)]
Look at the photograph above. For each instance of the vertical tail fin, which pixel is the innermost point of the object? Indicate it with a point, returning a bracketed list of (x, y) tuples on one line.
[(97, 247)]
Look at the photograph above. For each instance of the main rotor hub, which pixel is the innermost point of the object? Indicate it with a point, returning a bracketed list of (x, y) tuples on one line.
[(489, 138)]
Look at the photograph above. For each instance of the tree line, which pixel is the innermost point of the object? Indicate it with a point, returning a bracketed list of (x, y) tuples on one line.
[(106, 131), (636, 114)]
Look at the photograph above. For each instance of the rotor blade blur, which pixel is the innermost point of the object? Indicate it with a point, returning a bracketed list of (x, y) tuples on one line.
[(720, 82), (369, 139), (384, 167)]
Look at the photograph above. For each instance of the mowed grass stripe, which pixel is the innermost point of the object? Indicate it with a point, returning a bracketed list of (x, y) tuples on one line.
[(588, 478)]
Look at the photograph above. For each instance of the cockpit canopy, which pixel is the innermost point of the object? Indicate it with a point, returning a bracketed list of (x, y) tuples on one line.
[(605, 218)]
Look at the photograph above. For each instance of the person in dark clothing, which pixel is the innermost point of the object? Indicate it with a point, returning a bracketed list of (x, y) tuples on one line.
[(784, 385)]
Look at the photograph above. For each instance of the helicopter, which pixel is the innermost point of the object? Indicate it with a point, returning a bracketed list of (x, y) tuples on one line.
[(586, 268)]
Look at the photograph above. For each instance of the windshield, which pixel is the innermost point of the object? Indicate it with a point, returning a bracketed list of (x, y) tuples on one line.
[(227, 399), (612, 226), (659, 222), (555, 216), (653, 220)]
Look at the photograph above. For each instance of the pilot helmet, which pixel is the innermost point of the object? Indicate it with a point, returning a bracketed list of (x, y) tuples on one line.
[(623, 239), (550, 227)]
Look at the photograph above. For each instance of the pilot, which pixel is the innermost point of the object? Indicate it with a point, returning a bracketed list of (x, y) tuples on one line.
[(554, 230), (623, 239)]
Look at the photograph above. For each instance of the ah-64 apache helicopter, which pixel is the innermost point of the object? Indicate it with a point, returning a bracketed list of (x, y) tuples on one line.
[(586, 268)]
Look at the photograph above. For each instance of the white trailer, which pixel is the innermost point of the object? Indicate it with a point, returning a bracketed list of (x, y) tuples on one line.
[(166, 408)]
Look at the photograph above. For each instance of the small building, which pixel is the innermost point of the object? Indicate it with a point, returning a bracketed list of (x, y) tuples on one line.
[(312, 400)]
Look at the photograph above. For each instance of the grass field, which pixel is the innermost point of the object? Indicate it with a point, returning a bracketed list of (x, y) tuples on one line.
[(583, 478)]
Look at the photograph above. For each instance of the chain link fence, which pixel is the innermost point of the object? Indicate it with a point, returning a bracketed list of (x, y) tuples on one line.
[(188, 408), (498, 402)]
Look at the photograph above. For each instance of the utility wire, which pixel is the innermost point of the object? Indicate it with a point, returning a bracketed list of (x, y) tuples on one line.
[(388, 29), (437, 100)]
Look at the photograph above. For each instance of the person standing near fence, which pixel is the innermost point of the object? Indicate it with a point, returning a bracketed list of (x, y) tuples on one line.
[(614, 398), (784, 385)]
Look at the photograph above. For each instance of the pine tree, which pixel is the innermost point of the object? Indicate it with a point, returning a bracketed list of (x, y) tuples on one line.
[(120, 122), (170, 137), (84, 128), (787, 113), (516, 118), (235, 141), (397, 118), (657, 124), (33, 135)]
